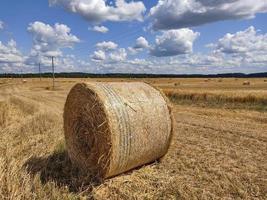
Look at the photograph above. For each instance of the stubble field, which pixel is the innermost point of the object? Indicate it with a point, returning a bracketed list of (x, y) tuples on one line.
[(218, 151)]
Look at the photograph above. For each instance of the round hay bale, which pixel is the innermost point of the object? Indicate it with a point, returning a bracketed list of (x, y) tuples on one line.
[(111, 128), (246, 83)]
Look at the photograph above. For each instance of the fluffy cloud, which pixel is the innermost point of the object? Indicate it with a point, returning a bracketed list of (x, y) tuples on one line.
[(106, 46), (119, 55), (244, 51), (141, 43), (242, 42), (193, 63), (174, 42), (115, 56), (100, 29), (244, 48), (11, 59), (100, 10), (173, 14), (99, 55), (108, 52), (49, 40), (9, 53), (1, 25)]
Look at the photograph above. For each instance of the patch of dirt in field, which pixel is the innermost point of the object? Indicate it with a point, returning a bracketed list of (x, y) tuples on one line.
[(215, 154)]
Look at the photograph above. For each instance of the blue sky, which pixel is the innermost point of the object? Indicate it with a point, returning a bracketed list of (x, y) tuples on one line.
[(177, 36)]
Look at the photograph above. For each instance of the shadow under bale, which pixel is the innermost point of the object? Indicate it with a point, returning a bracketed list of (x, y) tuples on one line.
[(58, 168)]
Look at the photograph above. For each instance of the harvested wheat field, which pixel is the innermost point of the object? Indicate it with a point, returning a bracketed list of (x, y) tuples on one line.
[(218, 149)]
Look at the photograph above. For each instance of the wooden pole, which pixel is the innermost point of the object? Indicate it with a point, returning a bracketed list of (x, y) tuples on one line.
[(40, 71), (21, 76), (53, 72)]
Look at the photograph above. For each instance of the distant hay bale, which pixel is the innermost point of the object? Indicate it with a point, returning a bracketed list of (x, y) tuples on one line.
[(111, 128), (177, 84), (220, 80), (246, 83), (24, 81)]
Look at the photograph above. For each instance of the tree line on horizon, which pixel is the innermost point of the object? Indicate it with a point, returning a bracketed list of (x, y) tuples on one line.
[(128, 75)]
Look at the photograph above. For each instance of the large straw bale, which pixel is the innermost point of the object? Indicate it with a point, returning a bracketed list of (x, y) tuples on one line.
[(111, 128)]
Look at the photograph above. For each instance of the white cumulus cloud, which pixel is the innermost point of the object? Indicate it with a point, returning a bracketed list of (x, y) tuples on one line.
[(100, 29), (174, 42), (173, 14), (9, 53), (100, 10), (99, 55), (246, 41), (119, 55), (49, 40), (141, 43), (115, 56), (106, 46), (245, 48), (11, 59)]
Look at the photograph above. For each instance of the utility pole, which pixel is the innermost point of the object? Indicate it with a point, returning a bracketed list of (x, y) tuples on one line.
[(40, 71), (21, 76), (53, 72)]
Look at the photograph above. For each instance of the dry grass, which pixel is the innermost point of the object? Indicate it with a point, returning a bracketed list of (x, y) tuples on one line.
[(215, 154), (4, 114), (226, 99)]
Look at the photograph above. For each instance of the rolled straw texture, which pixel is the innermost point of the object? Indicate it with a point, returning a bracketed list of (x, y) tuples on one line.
[(111, 128)]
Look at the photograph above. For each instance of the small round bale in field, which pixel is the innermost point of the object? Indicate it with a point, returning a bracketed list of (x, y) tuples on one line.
[(111, 128), (246, 83)]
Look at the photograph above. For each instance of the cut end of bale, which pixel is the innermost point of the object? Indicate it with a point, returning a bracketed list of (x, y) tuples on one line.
[(111, 128)]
